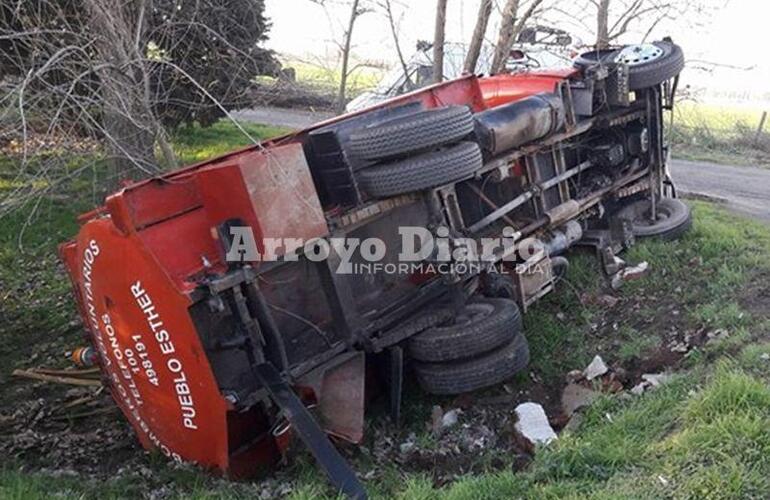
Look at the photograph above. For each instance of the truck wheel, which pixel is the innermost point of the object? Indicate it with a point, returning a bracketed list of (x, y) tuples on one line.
[(413, 133), (484, 371), (648, 64), (674, 218), (422, 172), (483, 325)]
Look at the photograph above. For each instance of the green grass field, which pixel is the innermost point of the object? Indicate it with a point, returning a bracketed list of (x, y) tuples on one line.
[(720, 134), (704, 435)]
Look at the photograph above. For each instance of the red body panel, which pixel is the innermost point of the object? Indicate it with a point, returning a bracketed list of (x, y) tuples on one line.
[(502, 89), (149, 353)]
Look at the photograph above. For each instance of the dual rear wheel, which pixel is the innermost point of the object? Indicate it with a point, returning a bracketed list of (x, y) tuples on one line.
[(482, 346)]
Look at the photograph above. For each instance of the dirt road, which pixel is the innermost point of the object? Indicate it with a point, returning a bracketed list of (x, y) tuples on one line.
[(282, 117), (745, 190)]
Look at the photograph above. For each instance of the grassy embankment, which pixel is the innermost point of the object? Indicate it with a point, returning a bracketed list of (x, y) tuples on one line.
[(720, 134)]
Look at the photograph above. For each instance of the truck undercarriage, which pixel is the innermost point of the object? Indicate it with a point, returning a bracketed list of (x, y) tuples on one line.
[(231, 311)]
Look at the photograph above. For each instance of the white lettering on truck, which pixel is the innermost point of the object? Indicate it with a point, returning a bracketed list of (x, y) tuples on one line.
[(166, 346)]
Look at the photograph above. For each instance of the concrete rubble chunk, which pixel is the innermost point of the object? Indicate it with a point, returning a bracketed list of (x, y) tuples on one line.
[(639, 388), (630, 273), (532, 423), (450, 418), (656, 379), (436, 420), (608, 300), (597, 368), (575, 397), (574, 423), (575, 376)]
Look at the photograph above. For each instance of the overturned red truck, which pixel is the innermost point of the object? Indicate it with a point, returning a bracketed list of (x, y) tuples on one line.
[(230, 312)]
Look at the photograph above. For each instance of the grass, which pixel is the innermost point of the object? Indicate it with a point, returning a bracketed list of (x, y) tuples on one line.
[(326, 78), (703, 435), (719, 134), (193, 143)]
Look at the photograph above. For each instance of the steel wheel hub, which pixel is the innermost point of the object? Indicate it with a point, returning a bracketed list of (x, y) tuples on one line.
[(634, 55)]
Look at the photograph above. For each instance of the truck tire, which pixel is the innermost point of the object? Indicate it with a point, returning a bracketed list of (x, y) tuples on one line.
[(422, 172), (484, 324), (412, 133), (674, 218), (643, 74), (484, 371)]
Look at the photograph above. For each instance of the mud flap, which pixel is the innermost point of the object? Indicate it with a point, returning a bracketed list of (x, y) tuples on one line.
[(339, 389), (340, 474)]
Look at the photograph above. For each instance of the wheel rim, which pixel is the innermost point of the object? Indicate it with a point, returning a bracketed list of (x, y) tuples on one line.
[(635, 55), (645, 219), (472, 313)]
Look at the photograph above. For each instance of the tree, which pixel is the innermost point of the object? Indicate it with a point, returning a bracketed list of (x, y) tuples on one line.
[(357, 8), (615, 18), (602, 24), (125, 73), (477, 40), (438, 41), (510, 27), (387, 6), (347, 37)]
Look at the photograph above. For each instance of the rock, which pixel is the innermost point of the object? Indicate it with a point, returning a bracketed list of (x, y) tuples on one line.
[(436, 420), (656, 379), (574, 423), (406, 447), (533, 425), (597, 368), (639, 388), (608, 300), (680, 347), (450, 418), (629, 274), (765, 357), (717, 335), (575, 376), (576, 396)]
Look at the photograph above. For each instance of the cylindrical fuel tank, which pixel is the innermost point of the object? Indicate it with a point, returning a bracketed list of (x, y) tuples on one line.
[(511, 125)]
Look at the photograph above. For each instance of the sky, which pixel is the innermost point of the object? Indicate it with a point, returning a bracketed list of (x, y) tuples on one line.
[(733, 36)]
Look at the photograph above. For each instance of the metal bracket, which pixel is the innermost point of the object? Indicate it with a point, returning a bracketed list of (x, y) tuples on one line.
[(340, 474)]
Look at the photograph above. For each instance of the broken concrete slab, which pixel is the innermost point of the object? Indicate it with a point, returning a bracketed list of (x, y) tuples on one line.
[(576, 396), (532, 423), (596, 368)]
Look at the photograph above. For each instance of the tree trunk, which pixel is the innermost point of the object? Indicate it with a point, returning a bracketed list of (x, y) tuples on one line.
[(505, 36), (346, 57), (438, 41), (389, 11), (129, 136), (474, 50), (602, 25), (128, 119)]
